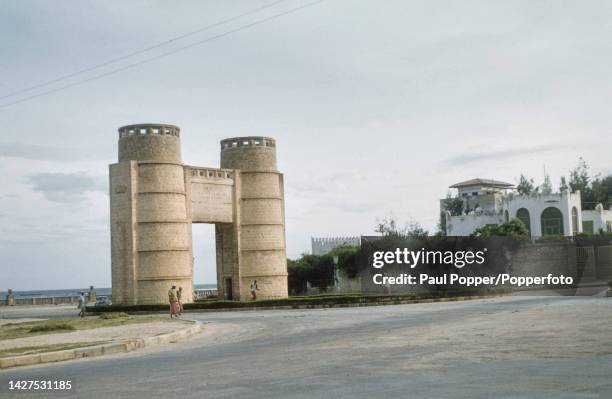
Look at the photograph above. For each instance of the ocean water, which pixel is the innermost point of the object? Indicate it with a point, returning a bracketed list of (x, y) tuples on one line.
[(77, 291)]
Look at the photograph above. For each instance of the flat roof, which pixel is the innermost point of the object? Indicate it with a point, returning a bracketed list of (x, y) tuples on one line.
[(482, 182)]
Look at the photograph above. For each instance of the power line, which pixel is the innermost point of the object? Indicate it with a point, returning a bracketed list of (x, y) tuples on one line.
[(129, 66), (141, 51)]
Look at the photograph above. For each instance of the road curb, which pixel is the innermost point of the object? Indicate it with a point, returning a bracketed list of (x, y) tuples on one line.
[(349, 305), (325, 306), (100, 350)]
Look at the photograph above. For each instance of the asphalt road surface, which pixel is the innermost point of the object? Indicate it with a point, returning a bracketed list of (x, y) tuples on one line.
[(512, 347)]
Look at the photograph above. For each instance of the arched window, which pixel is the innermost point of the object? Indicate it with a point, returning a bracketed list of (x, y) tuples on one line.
[(506, 216), (552, 222), (523, 215), (574, 221)]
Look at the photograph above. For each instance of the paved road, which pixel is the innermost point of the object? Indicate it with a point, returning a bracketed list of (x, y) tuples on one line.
[(514, 347)]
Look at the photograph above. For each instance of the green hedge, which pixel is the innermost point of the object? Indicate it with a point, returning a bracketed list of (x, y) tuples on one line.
[(297, 301)]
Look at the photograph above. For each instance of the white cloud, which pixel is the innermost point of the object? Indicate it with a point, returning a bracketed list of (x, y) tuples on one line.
[(376, 107), (66, 187)]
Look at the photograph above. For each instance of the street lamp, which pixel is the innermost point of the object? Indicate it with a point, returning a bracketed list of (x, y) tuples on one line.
[(336, 277)]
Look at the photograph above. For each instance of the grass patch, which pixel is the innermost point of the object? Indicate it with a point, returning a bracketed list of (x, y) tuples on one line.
[(113, 315), (55, 326), (52, 327)]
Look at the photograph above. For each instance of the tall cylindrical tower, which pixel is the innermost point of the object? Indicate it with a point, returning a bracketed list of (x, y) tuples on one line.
[(260, 215), (161, 229)]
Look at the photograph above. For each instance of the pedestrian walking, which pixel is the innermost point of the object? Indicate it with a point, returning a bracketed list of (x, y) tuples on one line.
[(174, 304), (82, 304), (254, 289), (179, 296)]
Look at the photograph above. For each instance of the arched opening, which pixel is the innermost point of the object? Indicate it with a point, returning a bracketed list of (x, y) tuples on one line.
[(523, 215), (574, 221), (552, 222), (204, 258), (506, 216)]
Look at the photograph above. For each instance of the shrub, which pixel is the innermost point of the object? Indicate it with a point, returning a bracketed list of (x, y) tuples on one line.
[(319, 270), (513, 228)]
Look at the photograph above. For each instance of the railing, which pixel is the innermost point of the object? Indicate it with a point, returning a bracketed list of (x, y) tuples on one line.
[(205, 293), (51, 300), (48, 300), (58, 300)]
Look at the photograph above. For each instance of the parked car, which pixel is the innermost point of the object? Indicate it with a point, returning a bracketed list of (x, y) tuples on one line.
[(103, 301)]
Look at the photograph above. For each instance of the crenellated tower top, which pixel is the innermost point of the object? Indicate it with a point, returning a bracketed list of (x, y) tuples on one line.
[(150, 142)]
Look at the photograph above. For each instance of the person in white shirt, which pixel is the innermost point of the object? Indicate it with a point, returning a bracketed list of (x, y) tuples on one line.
[(254, 289), (82, 304)]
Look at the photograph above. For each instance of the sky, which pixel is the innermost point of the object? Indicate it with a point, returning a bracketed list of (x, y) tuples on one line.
[(376, 106)]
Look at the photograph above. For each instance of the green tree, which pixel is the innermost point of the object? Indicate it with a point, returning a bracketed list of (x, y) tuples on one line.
[(546, 187), (319, 270), (415, 230), (390, 227), (579, 177), (454, 205), (563, 185), (348, 259), (525, 185), (387, 226), (441, 227), (590, 188), (601, 189)]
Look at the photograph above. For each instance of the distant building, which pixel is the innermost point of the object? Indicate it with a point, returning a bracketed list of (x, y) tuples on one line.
[(324, 245), (492, 202)]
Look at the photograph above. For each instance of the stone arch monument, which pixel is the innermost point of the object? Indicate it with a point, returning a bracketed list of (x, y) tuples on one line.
[(154, 199)]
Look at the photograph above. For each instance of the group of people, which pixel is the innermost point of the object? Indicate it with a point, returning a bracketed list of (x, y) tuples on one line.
[(174, 297)]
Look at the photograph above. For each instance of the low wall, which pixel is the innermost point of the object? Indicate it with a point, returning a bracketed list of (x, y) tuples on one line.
[(56, 300), (585, 261), (348, 285), (604, 262), (541, 259)]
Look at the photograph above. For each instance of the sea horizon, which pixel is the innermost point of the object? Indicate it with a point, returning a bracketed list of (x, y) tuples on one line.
[(103, 291)]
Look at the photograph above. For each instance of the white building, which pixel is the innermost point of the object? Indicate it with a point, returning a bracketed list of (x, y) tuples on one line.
[(597, 220), (324, 245), (488, 202)]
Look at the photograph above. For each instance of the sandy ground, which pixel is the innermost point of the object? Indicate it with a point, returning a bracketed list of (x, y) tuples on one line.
[(549, 331), (510, 347), (116, 333)]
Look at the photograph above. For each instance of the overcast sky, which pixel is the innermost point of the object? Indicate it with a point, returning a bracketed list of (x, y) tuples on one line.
[(376, 106)]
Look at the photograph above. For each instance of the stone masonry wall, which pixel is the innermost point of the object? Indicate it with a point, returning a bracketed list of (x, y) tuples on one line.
[(155, 199)]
